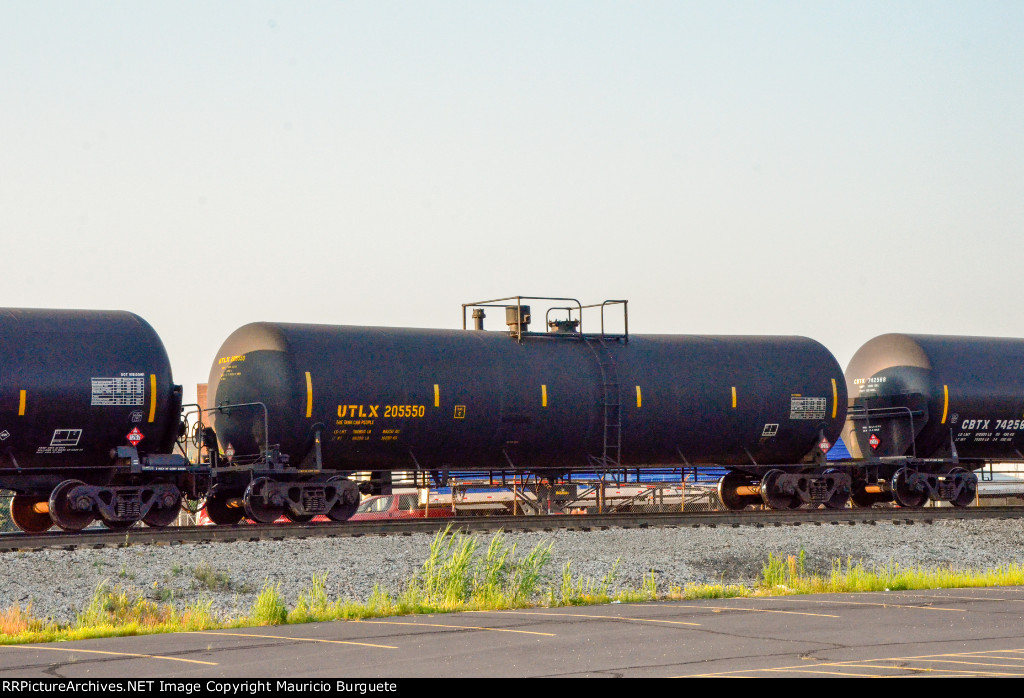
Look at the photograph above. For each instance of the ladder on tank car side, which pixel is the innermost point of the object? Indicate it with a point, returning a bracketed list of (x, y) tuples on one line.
[(611, 453)]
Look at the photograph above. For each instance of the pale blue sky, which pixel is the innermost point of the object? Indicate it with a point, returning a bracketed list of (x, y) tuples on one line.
[(831, 169)]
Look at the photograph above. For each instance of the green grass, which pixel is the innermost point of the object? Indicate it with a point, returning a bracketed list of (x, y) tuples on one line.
[(789, 576), (460, 576), (208, 578)]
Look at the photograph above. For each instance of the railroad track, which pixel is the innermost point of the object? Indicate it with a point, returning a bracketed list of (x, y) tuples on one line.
[(20, 542)]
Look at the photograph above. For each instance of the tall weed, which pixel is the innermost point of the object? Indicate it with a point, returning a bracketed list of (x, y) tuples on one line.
[(269, 608)]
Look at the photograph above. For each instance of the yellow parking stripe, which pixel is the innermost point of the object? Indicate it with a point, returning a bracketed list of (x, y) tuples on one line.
[(456, 627), (977, 663), (114, 654), (950, 597), (877, 664), (850, 674), (875, 603), (767, 610), (590, 615), (299, 639), (916, 669)]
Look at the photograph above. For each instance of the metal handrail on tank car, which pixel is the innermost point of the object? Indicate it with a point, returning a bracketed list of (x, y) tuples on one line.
[(518, 331), (861, 412), (602, 306), (197, 429), (223, 409)]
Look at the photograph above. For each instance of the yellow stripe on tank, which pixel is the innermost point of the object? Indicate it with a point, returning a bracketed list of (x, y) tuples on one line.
[(835, 398), (543, 395), (734, 397), (309, 395), (638, 399), (21, 403), (437, 395), (945, 404), (152, 398)]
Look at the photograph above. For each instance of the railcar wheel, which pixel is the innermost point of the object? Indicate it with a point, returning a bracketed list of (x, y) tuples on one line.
[(773, 496), (904, 494), (841, 498), (259, 504), (348, 499), (70, 514), (968, 490), (158, 517), (220, 513), (727, 491), (25, 516)]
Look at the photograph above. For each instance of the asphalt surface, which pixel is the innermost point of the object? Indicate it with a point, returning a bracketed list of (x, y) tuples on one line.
[(949, 633)]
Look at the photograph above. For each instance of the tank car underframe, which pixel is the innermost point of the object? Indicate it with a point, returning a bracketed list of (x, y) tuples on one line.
[(269, 487), (909, 482), (264, 494), (132, 488)]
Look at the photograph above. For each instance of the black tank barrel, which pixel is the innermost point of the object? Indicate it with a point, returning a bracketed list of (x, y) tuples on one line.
[(924, 395), (393, 398), (75, 384)]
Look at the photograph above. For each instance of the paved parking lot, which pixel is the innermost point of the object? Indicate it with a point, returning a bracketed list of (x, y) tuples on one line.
[(958, 632)]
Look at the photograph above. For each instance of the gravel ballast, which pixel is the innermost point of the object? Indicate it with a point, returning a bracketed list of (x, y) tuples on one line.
[(60, 583)]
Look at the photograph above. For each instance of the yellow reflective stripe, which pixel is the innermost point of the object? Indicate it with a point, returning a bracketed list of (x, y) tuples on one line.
[(437, 395), (835, 398), (21, 404), (309, 395), (945, 405), (152, 397), (543, 395), (638, 400), (734, 397)]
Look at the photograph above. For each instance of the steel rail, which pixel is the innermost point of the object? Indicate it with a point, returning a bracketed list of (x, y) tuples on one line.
[(175, 535)]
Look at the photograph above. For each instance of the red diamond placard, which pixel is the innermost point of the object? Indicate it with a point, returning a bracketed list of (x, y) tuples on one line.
[(874, 441), (824, 445), (135, 436)]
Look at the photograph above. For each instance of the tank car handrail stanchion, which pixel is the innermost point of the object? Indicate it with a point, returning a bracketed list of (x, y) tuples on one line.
[(913, 434)]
